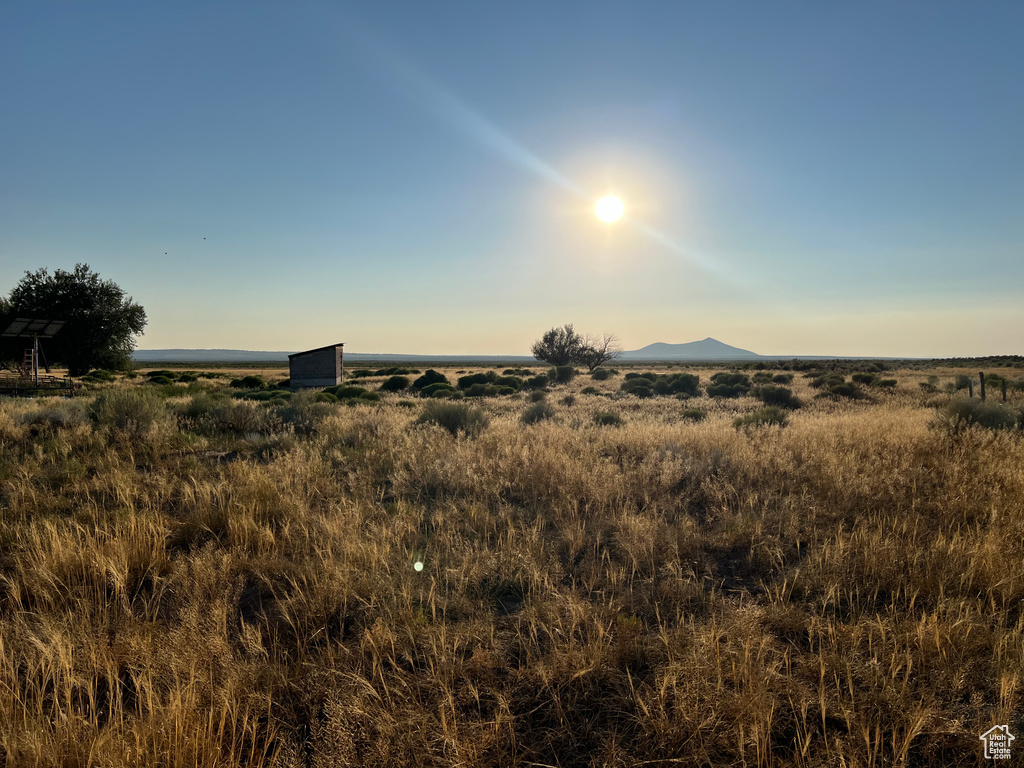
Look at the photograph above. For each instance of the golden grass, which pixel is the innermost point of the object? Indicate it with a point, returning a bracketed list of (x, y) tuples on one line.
[(844, 591)]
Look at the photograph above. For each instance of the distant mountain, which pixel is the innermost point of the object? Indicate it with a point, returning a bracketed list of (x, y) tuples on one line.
[(706, 349)]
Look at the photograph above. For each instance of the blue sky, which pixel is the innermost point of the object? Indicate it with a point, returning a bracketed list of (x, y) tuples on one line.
[(420, 177)]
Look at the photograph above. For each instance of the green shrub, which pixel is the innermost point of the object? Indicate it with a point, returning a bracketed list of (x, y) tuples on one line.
[(61, 415), (844, 389), (346, 391), (395, 384), (517, 372), (771, 394), (428, 378), (590, 391), (569, 400), (651, 377), (249, 382), (187, 378), (694, 414), (541, 411), (538, 382), (886, 383), (325, 397), (369, 397), (465, 382), (642, 391), (99, 375), (163, 380), (264, 395), (538, 395), (440, 389), (406, 404), (762, 377), (166, 374), (134, 412), (455, 417), (728, 385), (782, 378), (766, 417), (305, 412), (603, 374), (514, 382), (564, 374), (962, 413), (827, 381), (607, 419)]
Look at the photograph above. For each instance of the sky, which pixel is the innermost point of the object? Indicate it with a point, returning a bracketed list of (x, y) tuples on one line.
[(798, 178)]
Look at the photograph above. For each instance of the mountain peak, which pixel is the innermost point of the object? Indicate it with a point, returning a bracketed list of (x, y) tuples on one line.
[(705, 349)]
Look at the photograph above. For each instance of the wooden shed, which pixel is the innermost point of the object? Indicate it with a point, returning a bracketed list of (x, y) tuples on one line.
[(322, 367)]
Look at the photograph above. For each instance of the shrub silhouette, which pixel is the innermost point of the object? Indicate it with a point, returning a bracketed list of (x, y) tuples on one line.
[(395, 384), (517, 372), (782, 378), (133, 412), (607, 419), (514, 382), (602, 374), (962, 413), (167, 374), (541, 411), (160, 380), (886, 383), (325, 397), (728, 385), (590, 391), (864, 378), (771, 394), (564, 374), (455, 417), (538, 382), (694, 414), (538, 395), (428, 378), (346, 391), (465, 382), (766, 417), (249, 382), (440, 389), (99, 375)]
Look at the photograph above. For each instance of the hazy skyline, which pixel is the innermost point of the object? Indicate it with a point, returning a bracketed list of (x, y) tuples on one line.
[(415, 178)]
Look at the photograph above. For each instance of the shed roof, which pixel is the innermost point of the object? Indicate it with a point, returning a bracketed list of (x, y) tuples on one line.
[(318, 349)]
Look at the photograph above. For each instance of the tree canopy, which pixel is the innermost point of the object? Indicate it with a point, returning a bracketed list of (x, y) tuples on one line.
[(101, 320), (564, 346)]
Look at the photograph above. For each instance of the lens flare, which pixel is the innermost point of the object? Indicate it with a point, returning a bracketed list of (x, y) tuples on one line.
[(609, 209), (417, 566)]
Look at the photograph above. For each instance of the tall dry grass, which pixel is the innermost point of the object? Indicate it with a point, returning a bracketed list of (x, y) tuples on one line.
[(206, 586)]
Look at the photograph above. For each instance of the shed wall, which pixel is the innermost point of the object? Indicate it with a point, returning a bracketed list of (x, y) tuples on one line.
[(316, 369)]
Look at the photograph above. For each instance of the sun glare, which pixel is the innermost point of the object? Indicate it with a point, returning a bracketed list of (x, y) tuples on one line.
[(609, 208)]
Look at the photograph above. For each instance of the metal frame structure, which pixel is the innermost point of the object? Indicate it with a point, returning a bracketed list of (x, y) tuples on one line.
[(29, 381)]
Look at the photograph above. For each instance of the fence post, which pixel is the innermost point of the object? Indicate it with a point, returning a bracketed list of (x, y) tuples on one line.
[(981, 375), (970, 387), (1004, 389)]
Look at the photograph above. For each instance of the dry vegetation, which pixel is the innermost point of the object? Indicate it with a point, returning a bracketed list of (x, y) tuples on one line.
[(188, 580)]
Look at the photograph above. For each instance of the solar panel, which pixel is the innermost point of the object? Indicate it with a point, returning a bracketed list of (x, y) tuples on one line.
[(24, 326)]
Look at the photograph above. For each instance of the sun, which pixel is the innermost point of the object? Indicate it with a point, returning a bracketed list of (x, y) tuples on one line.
[(609, 208)]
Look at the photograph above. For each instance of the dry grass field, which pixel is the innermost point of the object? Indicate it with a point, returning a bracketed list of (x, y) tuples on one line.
[(192, 579)]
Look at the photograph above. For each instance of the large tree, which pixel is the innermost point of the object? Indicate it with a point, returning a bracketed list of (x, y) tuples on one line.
[(598, 350), (559, 346), (101, 320)]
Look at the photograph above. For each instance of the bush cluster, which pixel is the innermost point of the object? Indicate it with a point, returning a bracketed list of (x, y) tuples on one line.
[(541, 411), (728, 385), (456, 418), (428, 378), (962, 413), (772, 394), (607, 419), (766, 417), (603, 374), (649, 384), (362, 373)]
